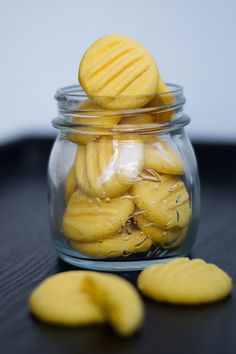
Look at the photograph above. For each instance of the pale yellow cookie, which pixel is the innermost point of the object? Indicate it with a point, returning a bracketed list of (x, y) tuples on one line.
[(118, 245), (119, 67), (165, 202), (167, 238), (90, 219), (138, 119), (162, 158), (163, 98), (70, 183), (120, 301), (61, 300), (107, 155), (81, 170), (107, 168), (93, 171), (95, 117), (90, 109), (185, 281), (130, 158)]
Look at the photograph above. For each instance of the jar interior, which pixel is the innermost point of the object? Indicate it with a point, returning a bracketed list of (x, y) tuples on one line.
[(122, 183)]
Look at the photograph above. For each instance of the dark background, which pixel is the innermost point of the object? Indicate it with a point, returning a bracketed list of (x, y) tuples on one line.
[(27, 257)]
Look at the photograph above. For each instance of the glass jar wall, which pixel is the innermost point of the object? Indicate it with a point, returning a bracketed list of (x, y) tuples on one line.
[(124, 188)]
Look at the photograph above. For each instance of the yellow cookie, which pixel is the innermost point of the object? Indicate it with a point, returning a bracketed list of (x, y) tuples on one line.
[(163, 98), (107, 168), (118, 245), (91, 114), (90, 109), (167, 238), (93, 171), (70, 183), (81, 170), (138, 119), (161, 158), (117, 66), (130, 159), (61, 300), (90, 219), (185, 281), (119, 300), (166, 202), (107, 160)]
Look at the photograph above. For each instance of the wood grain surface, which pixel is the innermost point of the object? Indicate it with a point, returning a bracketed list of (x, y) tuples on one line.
[(27, 257)]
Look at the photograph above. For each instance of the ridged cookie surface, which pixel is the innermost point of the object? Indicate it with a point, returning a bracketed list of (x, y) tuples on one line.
[(185, 281), (164, 202), (108, 167), (167, 238), (118, 66), (90, 219)]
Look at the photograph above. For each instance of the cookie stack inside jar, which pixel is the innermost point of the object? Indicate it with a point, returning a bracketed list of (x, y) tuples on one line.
[(125, 193)]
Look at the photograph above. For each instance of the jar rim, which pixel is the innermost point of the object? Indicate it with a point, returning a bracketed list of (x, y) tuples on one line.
[(116, 129), (70, 97), (76, 91)]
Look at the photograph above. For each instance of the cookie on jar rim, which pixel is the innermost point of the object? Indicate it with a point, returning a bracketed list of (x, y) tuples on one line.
[(118, 73)]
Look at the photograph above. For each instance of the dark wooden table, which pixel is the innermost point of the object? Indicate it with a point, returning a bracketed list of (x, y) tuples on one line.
[(27, 257)]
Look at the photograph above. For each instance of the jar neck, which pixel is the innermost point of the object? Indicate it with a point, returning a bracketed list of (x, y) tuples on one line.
[(78, 113)]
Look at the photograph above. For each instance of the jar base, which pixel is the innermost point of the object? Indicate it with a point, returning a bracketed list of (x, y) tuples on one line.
[(114, 266)]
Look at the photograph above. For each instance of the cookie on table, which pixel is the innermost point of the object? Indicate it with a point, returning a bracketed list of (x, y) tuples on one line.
[(61, 300), (120, 301), (185, 281), (82, 298)]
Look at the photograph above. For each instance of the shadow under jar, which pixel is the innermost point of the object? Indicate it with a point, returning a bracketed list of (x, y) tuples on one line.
[(124, 187)]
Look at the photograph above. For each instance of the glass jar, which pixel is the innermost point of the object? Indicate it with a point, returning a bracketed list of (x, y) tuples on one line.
[(124, 187)]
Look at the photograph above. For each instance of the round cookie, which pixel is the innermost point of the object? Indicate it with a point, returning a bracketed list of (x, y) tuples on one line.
[(185, 281), (61, 300), (161, 158), (107, 168), (91, 114), (108, 158), (130, 158), (118, 73), (167, 238), (90, 108), (90, 219), (119, 300), (138, 119), (165, 202), (70, 183), (115, 246)]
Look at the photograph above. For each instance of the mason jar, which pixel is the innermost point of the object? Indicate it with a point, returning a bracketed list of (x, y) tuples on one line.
[(123, 185)]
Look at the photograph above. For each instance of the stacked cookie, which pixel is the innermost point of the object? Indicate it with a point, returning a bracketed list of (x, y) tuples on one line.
[(123, 196), (124, 193)]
